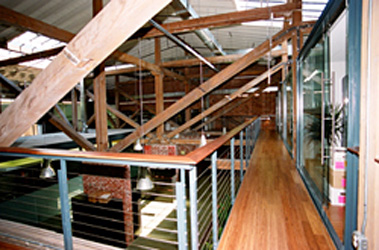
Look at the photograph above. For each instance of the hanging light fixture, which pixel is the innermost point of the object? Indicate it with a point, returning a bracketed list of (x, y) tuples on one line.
[(144, 182), (47, 171), (138, 146), (203, 139)]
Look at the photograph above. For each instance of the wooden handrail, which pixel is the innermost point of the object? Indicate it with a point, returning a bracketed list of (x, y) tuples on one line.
[(191, 158), (201, 153), (143, 158)]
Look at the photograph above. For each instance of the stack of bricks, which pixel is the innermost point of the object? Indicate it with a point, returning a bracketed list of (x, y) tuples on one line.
[(119, 188)]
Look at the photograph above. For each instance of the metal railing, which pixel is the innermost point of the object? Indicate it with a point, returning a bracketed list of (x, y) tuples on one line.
[(187, 208)]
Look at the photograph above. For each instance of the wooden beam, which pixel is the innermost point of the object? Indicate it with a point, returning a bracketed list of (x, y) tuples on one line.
[(220, 20), (158, 87), (127, 96), (29, 23), (224, 101), (91, 119), (79, 57), (30, 57), (117, 99), (60, 124), (203, 89), (68, 130), (213, 60), (100, 103), (116, 112), (74, 109), (100, 92)]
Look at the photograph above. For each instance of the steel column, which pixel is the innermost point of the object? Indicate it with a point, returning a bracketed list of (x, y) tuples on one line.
[(182, 229), (193, 207), (65, 207), (241, 155), (247, 147), (214, 200)]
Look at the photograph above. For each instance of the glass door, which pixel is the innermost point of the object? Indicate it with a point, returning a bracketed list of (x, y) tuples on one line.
[(315, 95)]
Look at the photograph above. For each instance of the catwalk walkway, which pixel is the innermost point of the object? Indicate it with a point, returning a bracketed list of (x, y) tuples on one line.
[(273, 209)]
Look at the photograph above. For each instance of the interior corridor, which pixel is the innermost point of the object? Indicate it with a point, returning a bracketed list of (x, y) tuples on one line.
[(273, 209)]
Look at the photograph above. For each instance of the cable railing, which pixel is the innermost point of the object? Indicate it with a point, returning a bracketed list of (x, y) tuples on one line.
[(95, 196)]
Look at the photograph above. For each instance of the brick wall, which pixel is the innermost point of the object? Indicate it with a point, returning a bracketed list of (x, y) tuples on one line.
[(120, 188)]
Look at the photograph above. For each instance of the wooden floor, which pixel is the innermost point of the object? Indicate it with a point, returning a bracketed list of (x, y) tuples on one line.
[(273, 209)]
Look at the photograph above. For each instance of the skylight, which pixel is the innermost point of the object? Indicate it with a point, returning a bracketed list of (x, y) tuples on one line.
[(28, 43), (312, 10)]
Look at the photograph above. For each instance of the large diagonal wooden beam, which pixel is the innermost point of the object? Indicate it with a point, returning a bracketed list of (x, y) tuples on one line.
[(29, 23), (224, 101), (220, 20), (117, 21), (60, 124), (204, 88)]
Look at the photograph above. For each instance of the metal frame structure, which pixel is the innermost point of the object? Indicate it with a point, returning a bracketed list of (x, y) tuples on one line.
[(186, 240), (331, 13)]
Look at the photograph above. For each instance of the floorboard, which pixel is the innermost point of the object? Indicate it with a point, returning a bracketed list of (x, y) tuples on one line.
[(273, 209)]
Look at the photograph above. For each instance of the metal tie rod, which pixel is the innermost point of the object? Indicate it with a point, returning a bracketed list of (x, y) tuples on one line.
[(183, 45)]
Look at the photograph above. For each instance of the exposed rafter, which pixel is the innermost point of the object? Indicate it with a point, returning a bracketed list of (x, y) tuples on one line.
[(29, 23), (79, 57), (225, 101), (205, 88), (221, 20)]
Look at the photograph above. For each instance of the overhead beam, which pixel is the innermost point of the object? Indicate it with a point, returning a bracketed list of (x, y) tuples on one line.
[(115, 112), (14, 18), (220, 20), (60, 124), (30, 57), (204, 88), (117, 21), (225, 101)]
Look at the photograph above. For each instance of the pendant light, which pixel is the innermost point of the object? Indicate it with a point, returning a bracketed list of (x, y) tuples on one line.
[(47, 171), (138, 146), (144, 182), (203, 139)]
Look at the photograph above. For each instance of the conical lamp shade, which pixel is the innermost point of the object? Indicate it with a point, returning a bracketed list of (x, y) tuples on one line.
[(138, 146), (203, 140), (144, 183), (47, 171)]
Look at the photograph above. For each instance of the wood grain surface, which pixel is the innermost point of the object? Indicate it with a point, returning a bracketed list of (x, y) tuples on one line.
[(273, 209)]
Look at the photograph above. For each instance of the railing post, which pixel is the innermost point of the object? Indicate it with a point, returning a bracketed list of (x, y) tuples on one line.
[(241, 155), (65, 207), (181, 224), (183, 180), (193, 207), (247, 147), (232, 169), (214, 200)]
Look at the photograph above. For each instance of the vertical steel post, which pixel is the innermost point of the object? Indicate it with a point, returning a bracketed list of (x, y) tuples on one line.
[(247, 147), (214, 200), (65, 207), (232, 169), (182, 229), (193, 208), (183, 180), (241, 155)]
